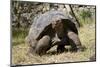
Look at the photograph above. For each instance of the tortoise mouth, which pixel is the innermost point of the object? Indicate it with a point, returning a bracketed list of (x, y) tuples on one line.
[(57, 25)]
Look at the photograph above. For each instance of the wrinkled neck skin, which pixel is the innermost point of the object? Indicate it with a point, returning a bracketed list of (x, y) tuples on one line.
[(59, 31)]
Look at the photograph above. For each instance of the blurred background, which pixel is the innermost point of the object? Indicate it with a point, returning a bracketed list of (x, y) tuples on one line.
[(23, 13)]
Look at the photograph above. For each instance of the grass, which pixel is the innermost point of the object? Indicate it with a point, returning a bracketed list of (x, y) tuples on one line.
[(20, 53), (18, 36)]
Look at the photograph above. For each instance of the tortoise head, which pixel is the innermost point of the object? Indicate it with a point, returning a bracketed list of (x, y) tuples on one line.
[(57, 24)]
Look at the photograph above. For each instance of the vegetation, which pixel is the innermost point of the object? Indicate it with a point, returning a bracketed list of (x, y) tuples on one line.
[(19, 35), (85, 15)]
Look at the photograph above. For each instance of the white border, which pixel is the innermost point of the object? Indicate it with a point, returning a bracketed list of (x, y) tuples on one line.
[(86, 2), (5, 33)]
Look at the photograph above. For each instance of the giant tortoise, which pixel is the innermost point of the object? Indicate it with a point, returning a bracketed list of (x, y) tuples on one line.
[(52, 28)]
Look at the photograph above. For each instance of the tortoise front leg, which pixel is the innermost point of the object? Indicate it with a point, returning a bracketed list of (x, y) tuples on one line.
[(74, 41), (43, 45)]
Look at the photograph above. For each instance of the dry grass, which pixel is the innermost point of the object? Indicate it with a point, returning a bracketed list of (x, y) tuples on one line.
[(20, 53)]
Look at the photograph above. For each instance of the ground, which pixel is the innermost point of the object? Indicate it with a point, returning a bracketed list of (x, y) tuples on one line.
[(20, 53)]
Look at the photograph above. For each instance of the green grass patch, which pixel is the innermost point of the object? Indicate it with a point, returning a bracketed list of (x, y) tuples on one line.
[(18, 36)]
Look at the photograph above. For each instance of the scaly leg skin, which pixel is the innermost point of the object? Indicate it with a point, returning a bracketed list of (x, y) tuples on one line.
[(74, 41), (43, 45)]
